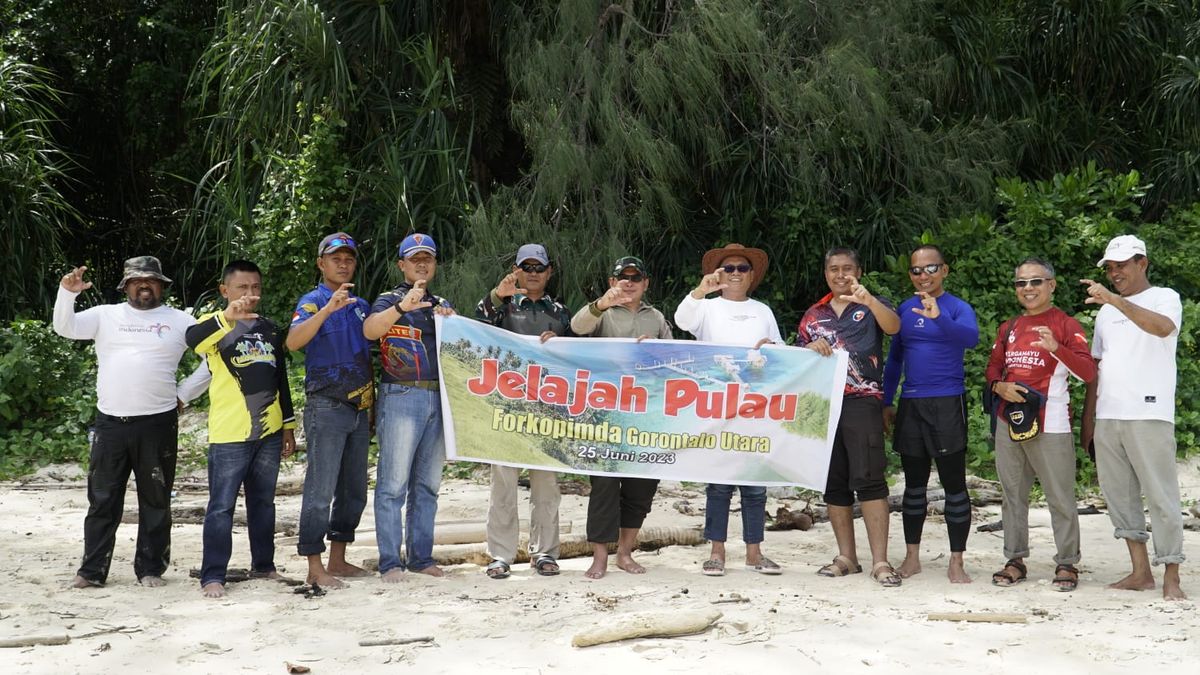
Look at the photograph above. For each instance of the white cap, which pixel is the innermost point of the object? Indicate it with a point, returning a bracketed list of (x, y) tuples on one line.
[(1123, 248)]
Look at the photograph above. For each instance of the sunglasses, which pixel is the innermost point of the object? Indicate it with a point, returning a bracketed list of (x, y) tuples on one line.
[(927, 269), (533, 268), (1022, 283), (339, 242), (743, 268), (635, 278)]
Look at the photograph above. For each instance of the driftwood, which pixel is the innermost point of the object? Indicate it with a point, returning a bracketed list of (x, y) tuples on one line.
[(978, 617), (786, 519), (33, 640), (389, 642), (649, 624), (571, 546), (194, 515), (455, 532)]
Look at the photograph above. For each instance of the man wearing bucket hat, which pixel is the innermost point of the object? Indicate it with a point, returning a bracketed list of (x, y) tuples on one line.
[(411, 448), (1031, 361), (1130, 411), (732, 318), (340, 390), (618, 506), (138, 346)]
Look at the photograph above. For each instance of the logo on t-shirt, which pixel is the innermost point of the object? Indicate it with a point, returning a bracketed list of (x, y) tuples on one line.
[(858, 316), (157, 329), (920, 322)]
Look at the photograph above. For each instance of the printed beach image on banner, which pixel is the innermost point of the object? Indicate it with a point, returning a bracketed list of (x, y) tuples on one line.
[(670, 409)]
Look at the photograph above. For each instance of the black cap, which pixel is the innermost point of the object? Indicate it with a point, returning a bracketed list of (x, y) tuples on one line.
[(1022, 418)]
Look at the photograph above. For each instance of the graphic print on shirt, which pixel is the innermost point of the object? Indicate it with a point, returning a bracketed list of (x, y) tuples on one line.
[(337, 361), (855, 332), (403, 354)]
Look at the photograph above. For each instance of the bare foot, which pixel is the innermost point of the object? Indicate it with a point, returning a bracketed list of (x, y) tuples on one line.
[(432, 570), (213, 589), (1172, 591), (393, 576), (345, 569), (324, 580), (599, 567), (80, 582), (626, 562), (957, 573), (1135, 582), (910, 567), (151, 581)]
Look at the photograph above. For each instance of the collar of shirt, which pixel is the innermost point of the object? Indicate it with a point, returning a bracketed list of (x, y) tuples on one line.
[(522, 300)]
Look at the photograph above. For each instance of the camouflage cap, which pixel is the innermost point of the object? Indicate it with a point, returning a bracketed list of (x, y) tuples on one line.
[(141, 267)]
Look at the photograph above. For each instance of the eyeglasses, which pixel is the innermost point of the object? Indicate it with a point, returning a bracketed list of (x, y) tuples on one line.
[(1022, 283), (635, 278), (927, 269), (743, 268), (339, 242), (533, 268)]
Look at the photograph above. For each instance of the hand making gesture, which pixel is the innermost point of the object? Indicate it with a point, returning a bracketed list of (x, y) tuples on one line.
[(241, 309), (710, 283), (929, 306), (1045, 339), (508, 286), (858, 293), (341, 298), (73, 281), (1097, 293), (414, 299), (614, 296)]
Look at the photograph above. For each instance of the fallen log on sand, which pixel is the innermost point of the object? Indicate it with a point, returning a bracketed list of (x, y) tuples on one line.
[(571, 546), (33, 640), (649, 624), (978, 617)]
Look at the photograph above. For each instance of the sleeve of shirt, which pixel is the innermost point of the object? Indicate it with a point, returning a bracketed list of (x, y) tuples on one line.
[(305, 309), (285, 389), (81, 326), (690, 313), (1097, 339), (802, 335), (958, 321), (1170, 306), (564, 317), (586, 320), (1073, 350), (194, 384), (773, 328), (995, 366), (204, 336), (490, 309), (892, 369), (664, 327)]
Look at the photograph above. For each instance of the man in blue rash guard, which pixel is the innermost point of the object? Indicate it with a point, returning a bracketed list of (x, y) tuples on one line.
[(936, 328)]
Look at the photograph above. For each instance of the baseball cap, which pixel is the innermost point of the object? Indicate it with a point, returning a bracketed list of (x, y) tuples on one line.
[(1122, 248), (628, 261), (416, 243), (533, 252), (335, 241)]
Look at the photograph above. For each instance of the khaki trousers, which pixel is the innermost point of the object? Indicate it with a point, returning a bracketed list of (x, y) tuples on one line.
[(503, 525), (1051, 459), (1135, 458)]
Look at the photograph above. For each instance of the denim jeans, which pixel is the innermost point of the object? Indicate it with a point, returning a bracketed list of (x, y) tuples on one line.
[(254, 464), (335, 480), (716, 512), (411, 454)]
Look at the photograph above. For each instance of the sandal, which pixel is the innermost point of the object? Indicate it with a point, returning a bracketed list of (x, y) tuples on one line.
[(885, 574), (497, 569), (545, 565), (1005, 578), (840, 567), (1066, 578), (713, 567), (765, 566)]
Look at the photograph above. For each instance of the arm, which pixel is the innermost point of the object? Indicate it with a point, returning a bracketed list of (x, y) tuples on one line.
[(1074, 353), (962, 329), (664, 329), (892, 370), (491, 309), (995, 366), (1154, 323), (306, 326), (81, 326), (885, 316), (690, 313), (204, 336), (194, 384), (1087, 425)]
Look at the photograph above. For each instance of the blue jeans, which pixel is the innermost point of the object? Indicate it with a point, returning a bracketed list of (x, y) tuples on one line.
[(716, 512), (336, 476), (254, 464), (411, 455)]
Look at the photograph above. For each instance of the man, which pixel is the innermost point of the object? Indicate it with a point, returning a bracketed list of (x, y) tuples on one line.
[(138, 346), (519, 303), (1037, 351), (250, 423), (936, 329), (850, 318), (411, 448), (1130, 411), (617, 507), (732, 318), (340, 389)]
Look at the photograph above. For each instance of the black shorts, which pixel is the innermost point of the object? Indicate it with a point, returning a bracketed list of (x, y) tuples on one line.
[(858, 464), (931, 427)]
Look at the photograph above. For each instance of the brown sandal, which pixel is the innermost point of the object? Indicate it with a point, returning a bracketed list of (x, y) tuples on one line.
[(885, 574), (1006, 578), (1066, 578), (840, 567)]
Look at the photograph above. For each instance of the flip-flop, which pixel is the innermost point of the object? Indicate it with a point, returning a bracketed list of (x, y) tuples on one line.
[(840, 567), (713, 567), (765, 566), (885, 574)]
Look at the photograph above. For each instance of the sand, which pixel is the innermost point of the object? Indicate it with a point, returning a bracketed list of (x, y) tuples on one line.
[(796, 622)]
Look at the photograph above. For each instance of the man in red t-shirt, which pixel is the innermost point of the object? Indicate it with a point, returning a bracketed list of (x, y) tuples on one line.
[(1037, 350)]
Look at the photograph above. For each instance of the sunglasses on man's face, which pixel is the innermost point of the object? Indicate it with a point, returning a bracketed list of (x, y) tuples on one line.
[(743, 268), (1022, 283), (634, 278), (534, 268), (927, 269)]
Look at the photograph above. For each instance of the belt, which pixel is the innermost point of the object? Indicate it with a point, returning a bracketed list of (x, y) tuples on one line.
[(428, 385)]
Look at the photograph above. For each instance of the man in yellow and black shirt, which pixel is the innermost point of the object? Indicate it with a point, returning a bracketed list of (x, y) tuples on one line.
[(250, 423)]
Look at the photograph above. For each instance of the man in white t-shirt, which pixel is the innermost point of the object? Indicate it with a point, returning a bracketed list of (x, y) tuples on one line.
[(732, 318), (1130, 411), (138, 347)]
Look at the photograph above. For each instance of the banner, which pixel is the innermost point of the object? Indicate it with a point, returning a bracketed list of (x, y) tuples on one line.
[(671, 409)]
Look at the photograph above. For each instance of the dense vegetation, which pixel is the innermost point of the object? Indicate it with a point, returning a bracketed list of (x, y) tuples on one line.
[(201, 130)]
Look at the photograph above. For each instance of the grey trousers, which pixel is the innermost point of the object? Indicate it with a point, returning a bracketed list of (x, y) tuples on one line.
[(503, 525), (1136, 457), (1051, 458)]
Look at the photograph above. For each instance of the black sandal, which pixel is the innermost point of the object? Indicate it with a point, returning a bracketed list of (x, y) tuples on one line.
[(545, 565), (497, 569), (1005, 578), (1065, 583)]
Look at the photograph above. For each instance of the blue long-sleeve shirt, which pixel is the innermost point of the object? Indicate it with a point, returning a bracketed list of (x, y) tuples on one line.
[(929, 352)]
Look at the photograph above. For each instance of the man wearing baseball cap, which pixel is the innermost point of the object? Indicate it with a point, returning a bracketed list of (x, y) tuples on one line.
[(1130, 411), (618, 506), (138, 347), (411, 449), (519, 303), (340, 390)]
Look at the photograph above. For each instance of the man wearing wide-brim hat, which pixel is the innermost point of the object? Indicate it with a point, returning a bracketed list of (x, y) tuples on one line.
[(138, 347), (733, 318)]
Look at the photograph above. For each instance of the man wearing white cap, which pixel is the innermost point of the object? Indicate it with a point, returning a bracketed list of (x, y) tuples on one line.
[(1130, 411)]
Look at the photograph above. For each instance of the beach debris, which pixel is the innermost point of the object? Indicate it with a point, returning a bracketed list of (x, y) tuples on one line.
[(648, 624), (978, 617), (35, 640), (787, 519), (733, 598), (296, 667), (391, 642), (309, 591)]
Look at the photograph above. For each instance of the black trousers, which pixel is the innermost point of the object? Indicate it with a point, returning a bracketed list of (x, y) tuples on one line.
[(147, 445), (618, 503)]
